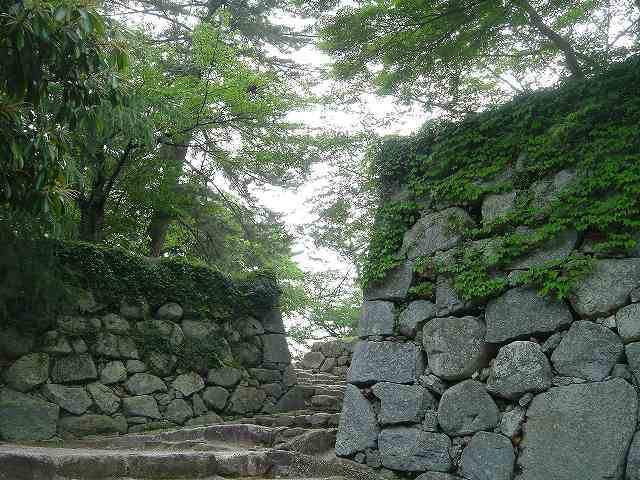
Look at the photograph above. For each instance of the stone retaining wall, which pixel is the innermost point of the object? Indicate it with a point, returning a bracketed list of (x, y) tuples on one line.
[(103, 370), (332, 356), (522, 386)]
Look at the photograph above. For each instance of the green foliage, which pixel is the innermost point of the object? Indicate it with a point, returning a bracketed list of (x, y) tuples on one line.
[(589, 126)]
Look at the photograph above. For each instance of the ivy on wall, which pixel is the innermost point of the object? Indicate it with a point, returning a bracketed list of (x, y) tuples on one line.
[(591, 127)]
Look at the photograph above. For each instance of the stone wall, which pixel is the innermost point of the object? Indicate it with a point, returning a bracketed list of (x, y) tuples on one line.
[(104, 369), (331, 356), (519, 386)]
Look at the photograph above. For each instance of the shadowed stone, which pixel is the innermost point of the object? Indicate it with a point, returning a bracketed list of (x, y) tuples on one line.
[(358, 428), (312, 360), (188, 383), (557, 248), (73, 368), (275, 348), (581, 432), (141, 406), (413, 450), (394, 286), (104, 398), (113, 372), (144, 383), (496, 205), (178, 411), (215, 398), (521, 312), (28, 372), (170, 311), (489, 456), (628, 323), (377, 318), (91, 425), (225, 377), (26, 418), (467, 408), (455, 346), (414, 315)]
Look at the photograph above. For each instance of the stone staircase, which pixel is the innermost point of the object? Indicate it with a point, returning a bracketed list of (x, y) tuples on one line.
[(294, 444)]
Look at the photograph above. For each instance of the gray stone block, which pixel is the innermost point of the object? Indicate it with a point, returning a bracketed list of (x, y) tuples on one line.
[(246, 400), (73, 368), (275, 348), (587, 351), (557, 248), (72, 399), (520, 367), (141, 406), (377, 318), (628, 323), (402, 403), (489, 456), (225, 377), (467, 408), (113, 372), (144, 384), (455, 346), (170, 311), (178, 411), (215, 398), (496, 205), (413, 450), (394, 286), (91, 425), (607, 287), (104, 398), (358, 428), (385, 362), (26, 418), (511, 422), (581, 432), (28, 372), (188, 383), (412, 317), (521, 313)]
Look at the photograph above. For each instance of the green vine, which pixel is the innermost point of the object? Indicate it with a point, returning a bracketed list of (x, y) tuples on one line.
[(589, 128)]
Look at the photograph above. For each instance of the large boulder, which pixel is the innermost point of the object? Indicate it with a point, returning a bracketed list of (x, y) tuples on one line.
[(588, 351), (520, 367), (72, 399), (141, 406), (113, 372), (411, 449), (26, 418), (294, 399), (456, 346), (412, 317), (73, 369), (91, 425), (161, 363), (402, 403), (489, 456), (28, 372), (607, 287), (385, 362), (104, 398), (467, 408), (246, 400), (178, 411), (224, 376), (628, 323), (579, 432), (275, 348), (358, 428), (435, 231), (170, 311), (215, 398), (377, 318), (144, 384), (558, 248), (633, 459), (188, 383), (394, 286), (521, 312)]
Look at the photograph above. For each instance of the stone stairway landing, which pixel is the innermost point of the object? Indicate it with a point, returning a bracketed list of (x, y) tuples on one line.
[(325, 391)]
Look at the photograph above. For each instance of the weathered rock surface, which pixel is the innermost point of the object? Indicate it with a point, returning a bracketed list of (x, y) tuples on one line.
[(73, 368), (435, 231), (15, 343), (394, 286), (113, 372), (377, 318), (161, 363), (455, 346), (224, 376), (496, 205), (632, 351), (588, 351), (606, 287), (633, 459), (412, 317), (91, 425), (294, 399), (178, 411), (413, 450), (581, 432), (28, 372), (558, 248), (215, 398), (402, 403), (170, 311), (511, 421), (141, 406), (72, 399), (312, 360), (521, 312), (448, 302), (358, 428), (489, 456), (26, 418), (188, 383), (385, 362), (520, 367), (628, 323), (104, 398), (467, 408), (246, 400), (144, 384), (275, 348)]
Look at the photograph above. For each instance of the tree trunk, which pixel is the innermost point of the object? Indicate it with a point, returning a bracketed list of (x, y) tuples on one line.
[(91, 221), (161, 219)]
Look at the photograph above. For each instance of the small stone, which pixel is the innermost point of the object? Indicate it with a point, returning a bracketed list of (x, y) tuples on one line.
[(414, 450), (141, 406), (587, 351), (385, 362), (414, 315), (73, 368), (215, 398), (489, 456), (560, 381), (467, 408), (144, 384), (455, 346), (358, 428), (620, 370), (521, 312), (113, 372), (196, 329), (170, 311), (188, 383), (377, 318), (360, 457), (511, 422), (178, 411), (628, 323), (136, 366), (520, 367), (552, 342), (72, 399), (402, 403), (609, 322), (104, 398), (86, 302), (28, 372)]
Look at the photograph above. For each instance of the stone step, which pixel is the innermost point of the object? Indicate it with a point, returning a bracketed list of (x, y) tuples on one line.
[(326, 403), (328, 376), (311, 418)]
